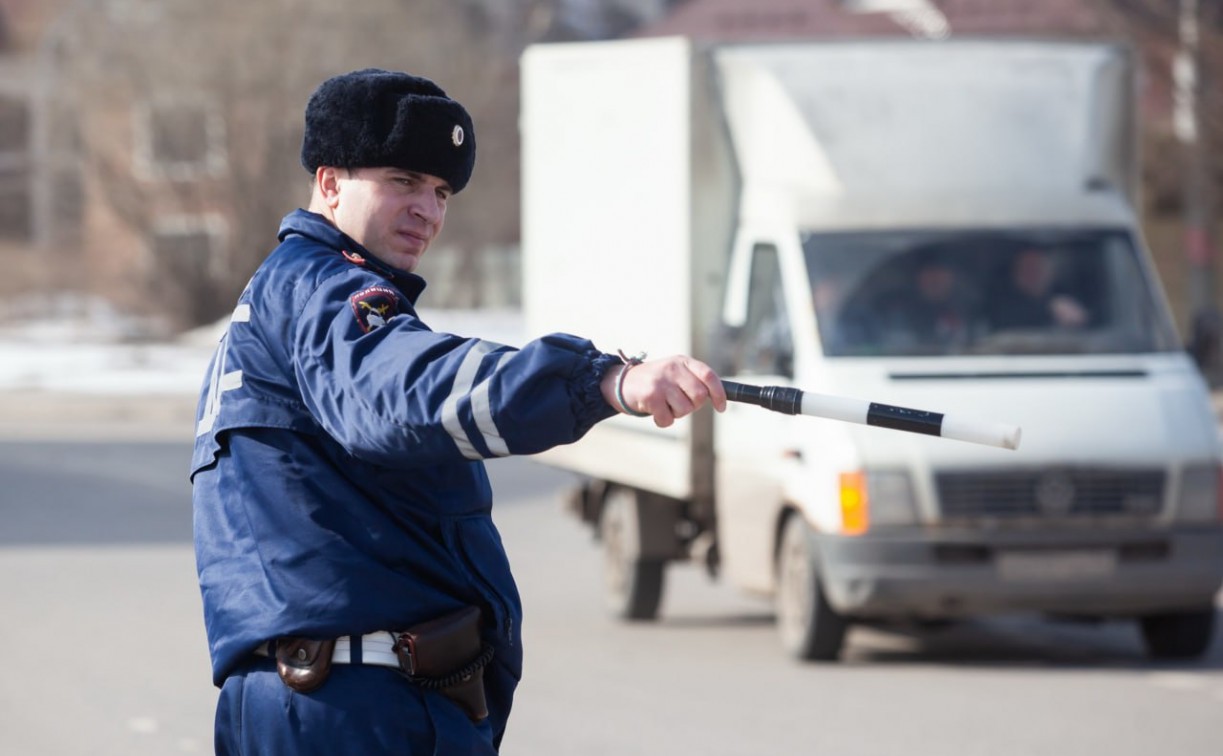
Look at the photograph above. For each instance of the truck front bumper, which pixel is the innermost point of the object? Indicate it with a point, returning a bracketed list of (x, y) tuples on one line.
[(1102, 572)]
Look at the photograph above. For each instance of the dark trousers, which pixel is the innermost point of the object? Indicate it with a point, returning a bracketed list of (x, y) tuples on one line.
[(364, 710)]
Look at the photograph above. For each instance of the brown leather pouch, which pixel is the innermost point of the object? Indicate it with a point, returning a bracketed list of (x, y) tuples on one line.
[(304, 663), (447, 655)]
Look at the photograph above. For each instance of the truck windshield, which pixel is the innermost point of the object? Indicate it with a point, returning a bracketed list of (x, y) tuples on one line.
[(983, 293)]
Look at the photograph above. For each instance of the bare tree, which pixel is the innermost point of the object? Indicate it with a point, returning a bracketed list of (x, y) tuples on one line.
[(1183, 178), (194, 110)]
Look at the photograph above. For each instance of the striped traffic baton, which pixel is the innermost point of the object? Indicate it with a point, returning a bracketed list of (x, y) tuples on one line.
[(792, 401)]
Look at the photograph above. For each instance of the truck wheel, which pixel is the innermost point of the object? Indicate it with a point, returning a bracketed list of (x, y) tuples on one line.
[(632, 584), (810, 629), (1179, 635)]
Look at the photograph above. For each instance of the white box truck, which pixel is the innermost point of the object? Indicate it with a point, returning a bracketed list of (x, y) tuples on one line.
[(943, 226)]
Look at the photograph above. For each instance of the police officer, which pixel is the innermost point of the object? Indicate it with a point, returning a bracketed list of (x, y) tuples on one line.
[(357, 598)]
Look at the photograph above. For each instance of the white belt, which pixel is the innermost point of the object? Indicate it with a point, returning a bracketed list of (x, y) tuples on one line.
[(376, 648)]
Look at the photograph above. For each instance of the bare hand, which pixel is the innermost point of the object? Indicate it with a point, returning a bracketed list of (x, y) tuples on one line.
[(1068, 312), (668, 388)]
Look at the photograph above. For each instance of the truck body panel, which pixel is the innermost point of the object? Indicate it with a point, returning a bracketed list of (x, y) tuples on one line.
[(891, 132), (605, 264)]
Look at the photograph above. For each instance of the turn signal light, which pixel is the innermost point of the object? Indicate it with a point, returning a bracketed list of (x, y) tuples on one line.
[(855, 504)]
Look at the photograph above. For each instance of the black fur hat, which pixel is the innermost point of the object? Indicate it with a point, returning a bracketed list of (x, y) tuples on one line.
[(374, 118)]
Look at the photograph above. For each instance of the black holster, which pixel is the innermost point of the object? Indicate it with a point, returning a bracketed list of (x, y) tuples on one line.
[(304, 663), (447, 655)]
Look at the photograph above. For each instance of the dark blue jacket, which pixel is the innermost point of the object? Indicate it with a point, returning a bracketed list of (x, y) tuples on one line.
[(337, 476)]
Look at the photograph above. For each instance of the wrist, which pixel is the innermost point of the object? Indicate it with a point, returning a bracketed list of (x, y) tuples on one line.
[(612, 385)]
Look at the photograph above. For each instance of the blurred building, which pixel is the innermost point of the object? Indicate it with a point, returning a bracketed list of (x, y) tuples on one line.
[(149, 146), (32, 179)]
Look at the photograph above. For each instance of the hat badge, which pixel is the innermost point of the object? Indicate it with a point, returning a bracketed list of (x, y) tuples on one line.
[(457, 136)]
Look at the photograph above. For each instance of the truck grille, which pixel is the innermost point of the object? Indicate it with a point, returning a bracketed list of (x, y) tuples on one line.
[(1070, 492)]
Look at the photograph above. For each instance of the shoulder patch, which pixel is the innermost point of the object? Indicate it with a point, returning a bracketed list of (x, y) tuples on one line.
[(374, 307)]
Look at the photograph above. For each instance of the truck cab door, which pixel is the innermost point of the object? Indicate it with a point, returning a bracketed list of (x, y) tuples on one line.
[(752, 446)]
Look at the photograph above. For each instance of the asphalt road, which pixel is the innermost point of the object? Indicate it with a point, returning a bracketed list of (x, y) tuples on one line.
[(102, 649)]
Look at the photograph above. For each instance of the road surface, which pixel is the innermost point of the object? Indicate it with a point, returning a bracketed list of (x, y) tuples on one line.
[(103, 649)]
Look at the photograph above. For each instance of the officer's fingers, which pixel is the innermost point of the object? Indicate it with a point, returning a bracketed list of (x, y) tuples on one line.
[(697, 380), (711, 382), (686, 394), (665, 401), (680, 402), (660, 408), (700, 384)]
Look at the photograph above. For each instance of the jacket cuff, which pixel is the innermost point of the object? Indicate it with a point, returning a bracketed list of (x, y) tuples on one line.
[(589, 405)]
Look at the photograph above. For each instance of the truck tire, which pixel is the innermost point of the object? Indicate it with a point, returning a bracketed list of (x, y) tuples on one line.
[(632, 584), (1178, 635), (810, 629)]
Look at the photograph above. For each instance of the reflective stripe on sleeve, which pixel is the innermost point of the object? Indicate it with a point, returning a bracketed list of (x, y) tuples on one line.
[(481, 407), (462, 384)]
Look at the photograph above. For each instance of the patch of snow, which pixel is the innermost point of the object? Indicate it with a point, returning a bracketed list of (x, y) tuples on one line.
[(91, 352)]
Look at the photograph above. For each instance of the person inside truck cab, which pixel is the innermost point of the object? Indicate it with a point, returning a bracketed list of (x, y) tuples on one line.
[(934, 309), (1032, 297)]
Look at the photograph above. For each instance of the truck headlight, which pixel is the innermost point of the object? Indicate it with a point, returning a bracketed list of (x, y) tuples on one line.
[(1199, 500), (876, 498)]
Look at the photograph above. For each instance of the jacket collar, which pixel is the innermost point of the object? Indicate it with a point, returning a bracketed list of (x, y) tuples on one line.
[(316, 227)]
